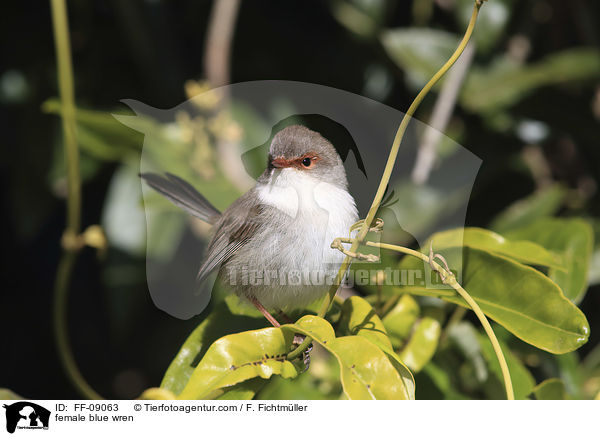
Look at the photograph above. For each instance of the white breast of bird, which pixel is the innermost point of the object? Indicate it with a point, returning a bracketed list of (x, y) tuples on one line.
[(311, 214)]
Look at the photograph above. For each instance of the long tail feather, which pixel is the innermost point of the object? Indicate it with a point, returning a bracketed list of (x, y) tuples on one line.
[(183, 195)]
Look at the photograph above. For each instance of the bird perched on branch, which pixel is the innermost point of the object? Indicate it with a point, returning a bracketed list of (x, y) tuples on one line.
[(272, 246)]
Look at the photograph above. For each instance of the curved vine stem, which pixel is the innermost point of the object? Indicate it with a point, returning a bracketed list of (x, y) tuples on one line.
[(449, 279), (71, 234), (510, 395), (66, 88), (364, 229), (63, 279)]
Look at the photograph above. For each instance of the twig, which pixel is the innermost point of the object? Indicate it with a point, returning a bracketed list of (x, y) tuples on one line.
[(65, 84), (218, 42), (68, 257), (440, 116), (217, 66), (61, 292)]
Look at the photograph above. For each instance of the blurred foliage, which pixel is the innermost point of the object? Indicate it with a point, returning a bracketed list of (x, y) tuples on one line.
[(532, 90)]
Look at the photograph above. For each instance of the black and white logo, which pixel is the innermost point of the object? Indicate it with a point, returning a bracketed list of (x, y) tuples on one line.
[(26, 415)]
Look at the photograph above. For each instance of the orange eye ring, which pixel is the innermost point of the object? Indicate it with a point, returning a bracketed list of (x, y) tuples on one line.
[(307, 161)]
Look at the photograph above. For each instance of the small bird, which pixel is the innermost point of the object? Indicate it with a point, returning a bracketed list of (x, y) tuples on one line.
[(272, 246)]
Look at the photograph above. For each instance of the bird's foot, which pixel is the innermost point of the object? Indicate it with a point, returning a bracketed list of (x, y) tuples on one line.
[(264, 311), (297, 341), (338, 245), (377, 227)]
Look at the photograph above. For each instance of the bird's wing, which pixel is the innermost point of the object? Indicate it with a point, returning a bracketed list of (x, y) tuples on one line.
[(184, 195), (235, 228)]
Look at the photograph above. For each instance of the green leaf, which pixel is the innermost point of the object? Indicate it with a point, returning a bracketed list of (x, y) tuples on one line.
[(522, 251), (219, 322), (399, 321), (320, 382), (525, 211), (551, 389), (522, 380), (422, 344), (575, 239), (523, 300), (441, 380), (359, 318), (99, 134), (242, 391), (366, 372), (240, 357), (362, 18)]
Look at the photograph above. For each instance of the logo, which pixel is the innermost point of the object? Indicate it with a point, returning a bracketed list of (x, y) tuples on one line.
[(26, 415)]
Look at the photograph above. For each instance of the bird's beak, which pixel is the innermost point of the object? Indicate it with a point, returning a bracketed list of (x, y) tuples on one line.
[(280, 162)]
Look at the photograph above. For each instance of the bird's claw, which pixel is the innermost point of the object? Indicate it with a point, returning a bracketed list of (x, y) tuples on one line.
[(298, 339), (377, 227), (338, 245)]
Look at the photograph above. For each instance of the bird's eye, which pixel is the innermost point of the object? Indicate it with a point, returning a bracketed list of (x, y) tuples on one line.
[(307, 161)]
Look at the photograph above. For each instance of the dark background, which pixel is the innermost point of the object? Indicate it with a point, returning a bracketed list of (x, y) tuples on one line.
[(146, 50)]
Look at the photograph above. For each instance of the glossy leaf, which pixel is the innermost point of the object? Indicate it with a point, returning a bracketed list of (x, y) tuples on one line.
[(307, 386), (366, 371), (359, 318), (551, 389), (422, 344), (523, 300), (520, 250), (242, 391), (399, 321), (575, 239), (218, 323), (239, 357)]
